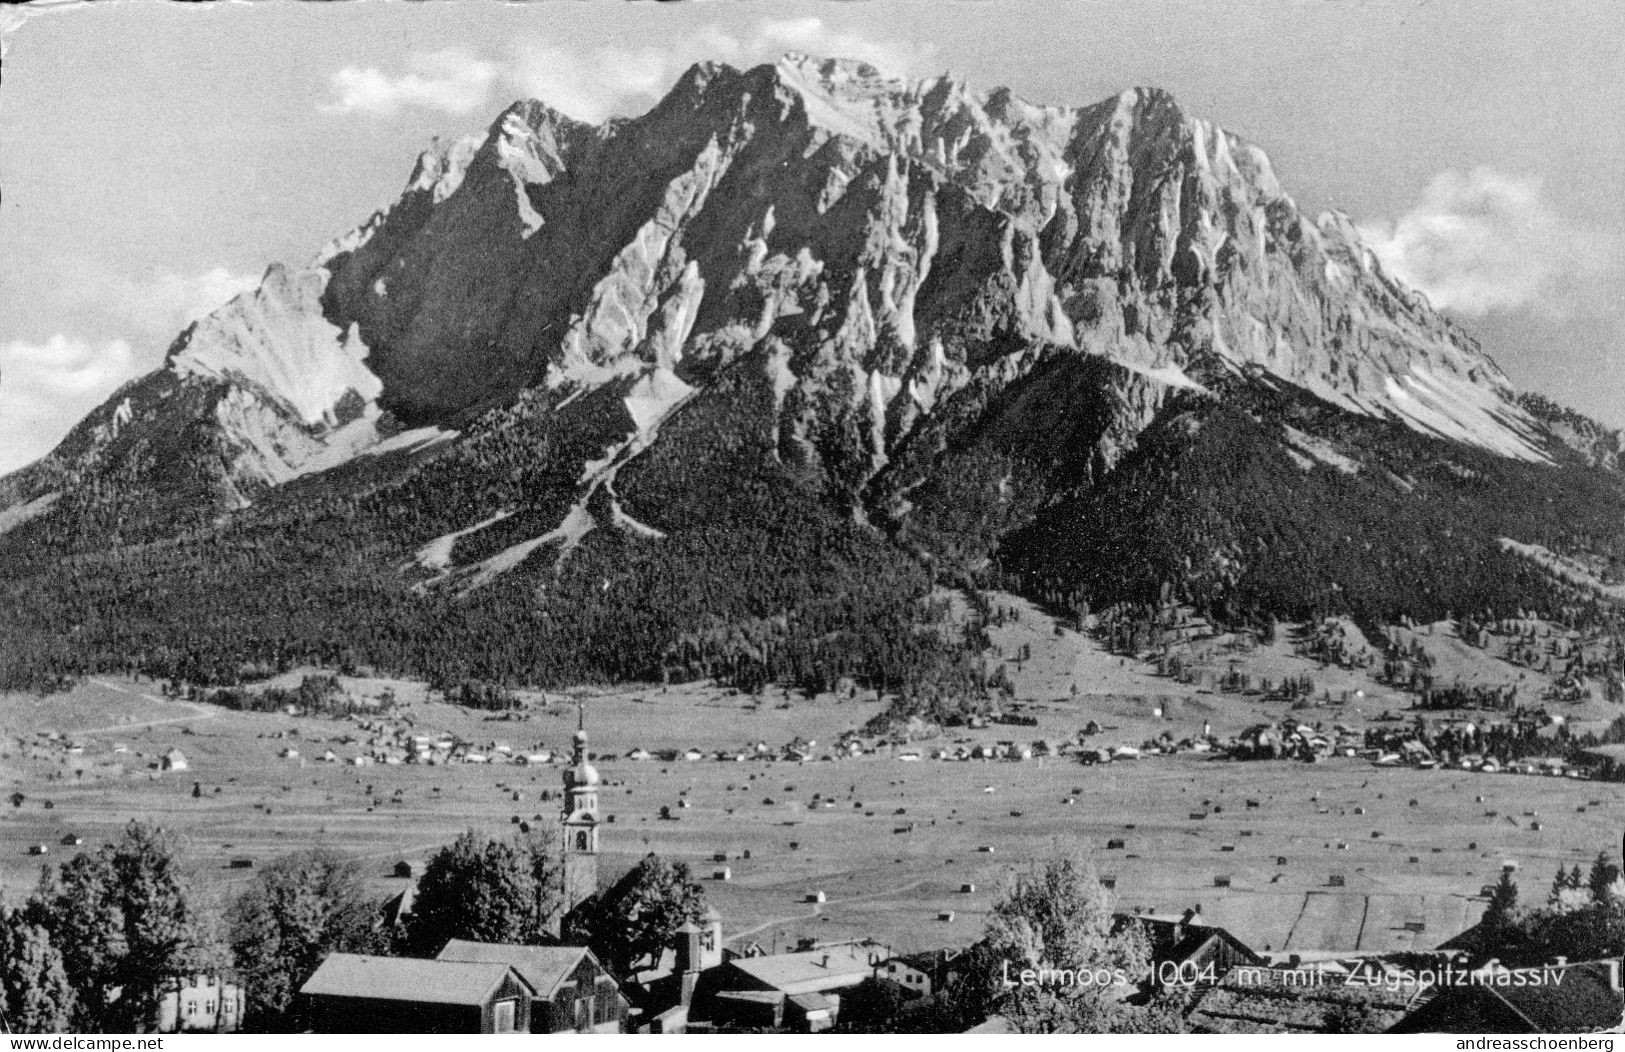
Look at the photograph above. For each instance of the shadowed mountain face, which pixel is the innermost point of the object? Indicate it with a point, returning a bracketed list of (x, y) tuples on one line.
[(827, 324)]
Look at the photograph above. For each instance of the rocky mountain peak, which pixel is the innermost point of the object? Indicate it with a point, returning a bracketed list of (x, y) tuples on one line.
[(888, 242)]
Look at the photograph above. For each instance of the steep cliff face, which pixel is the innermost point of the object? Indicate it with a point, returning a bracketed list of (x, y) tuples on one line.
[(725, 389), (255, 394), (896, 238), (894, 258)]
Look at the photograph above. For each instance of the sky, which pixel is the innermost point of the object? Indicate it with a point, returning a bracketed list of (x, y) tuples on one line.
[(155, 157)]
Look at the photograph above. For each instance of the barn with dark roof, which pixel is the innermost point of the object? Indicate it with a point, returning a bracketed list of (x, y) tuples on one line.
[(356, 994), (1549, 999)]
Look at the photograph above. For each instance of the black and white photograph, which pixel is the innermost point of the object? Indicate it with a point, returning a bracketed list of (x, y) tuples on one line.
[(843, 517)]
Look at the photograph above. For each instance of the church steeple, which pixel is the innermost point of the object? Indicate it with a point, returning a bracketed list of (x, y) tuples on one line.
[(580, 821)]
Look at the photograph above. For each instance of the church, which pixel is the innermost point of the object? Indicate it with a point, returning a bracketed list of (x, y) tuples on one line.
[(579, 822)]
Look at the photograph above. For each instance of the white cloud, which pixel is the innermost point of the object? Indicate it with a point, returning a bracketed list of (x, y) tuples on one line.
[(608, 80), (47, 387), (451, 81), (64, 367), (149, 310), (169, 302), (1483, 241), (810, 35)]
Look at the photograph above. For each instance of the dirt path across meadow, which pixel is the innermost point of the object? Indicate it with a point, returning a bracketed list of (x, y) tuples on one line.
[(199, 712)]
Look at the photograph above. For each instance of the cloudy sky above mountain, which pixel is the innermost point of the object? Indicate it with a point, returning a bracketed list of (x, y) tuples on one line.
[(156, 157)]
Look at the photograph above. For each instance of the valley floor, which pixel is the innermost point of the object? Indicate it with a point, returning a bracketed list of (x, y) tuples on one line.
[(1336, 856)]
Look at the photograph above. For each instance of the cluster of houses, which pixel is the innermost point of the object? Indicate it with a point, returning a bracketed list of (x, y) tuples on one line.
[(701, 985), (1460, 743), (376, 740), (1289, 739), (471, 987), (1285, 739)]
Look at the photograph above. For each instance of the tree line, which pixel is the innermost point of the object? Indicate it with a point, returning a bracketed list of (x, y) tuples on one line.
[(108, 934)]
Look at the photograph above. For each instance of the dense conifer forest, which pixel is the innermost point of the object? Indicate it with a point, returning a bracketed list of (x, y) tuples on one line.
[(773, 562)]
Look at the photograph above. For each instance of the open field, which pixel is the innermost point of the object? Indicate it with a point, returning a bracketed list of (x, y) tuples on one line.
[(890, 843)]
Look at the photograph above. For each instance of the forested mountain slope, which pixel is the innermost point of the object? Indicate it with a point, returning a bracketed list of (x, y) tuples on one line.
[(727, 388)]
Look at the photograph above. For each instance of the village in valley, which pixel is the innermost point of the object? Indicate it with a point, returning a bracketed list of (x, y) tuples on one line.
[(1294, 832)]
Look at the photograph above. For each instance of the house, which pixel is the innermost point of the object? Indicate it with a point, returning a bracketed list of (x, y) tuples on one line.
[(1559, 998), (201, 1003), (922, 974), (1184, 948), (793, 991), (175, 760), (356, 994), (571, 990), (664, 1003)]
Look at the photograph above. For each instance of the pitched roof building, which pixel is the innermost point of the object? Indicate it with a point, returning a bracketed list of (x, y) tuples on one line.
[(1558, 998), (571, 989), (795, 991), (358, 994), (1185, 950), (922, 973)]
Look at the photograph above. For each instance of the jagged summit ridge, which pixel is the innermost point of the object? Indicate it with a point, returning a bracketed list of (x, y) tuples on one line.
[(885, 242), (728, 387), (1128, 228)]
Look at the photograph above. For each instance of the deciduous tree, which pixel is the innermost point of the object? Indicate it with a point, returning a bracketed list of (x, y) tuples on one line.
[(631, 923), (487, 890), (124, 924), (299, 909), (1055, 919)]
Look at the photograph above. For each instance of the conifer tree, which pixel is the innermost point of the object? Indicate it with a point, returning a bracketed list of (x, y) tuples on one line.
[(1498, 914), (1602, 877), (34, 992)]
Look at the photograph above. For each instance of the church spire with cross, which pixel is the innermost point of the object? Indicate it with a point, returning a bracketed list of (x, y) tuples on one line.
[(580, 821)]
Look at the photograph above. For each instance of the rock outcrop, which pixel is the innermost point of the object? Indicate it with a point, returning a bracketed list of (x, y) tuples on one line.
[(882, 245)]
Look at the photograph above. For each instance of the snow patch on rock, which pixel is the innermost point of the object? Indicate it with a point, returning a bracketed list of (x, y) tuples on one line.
[(275, 341), (577, 523), (1307, 450), (436, 555), (1461, 410), (17, 514)]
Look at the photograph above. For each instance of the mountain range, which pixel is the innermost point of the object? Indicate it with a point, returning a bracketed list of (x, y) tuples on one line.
[(734, 388)]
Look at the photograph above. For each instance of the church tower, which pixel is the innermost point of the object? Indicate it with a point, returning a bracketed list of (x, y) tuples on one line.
[(580, 823)]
